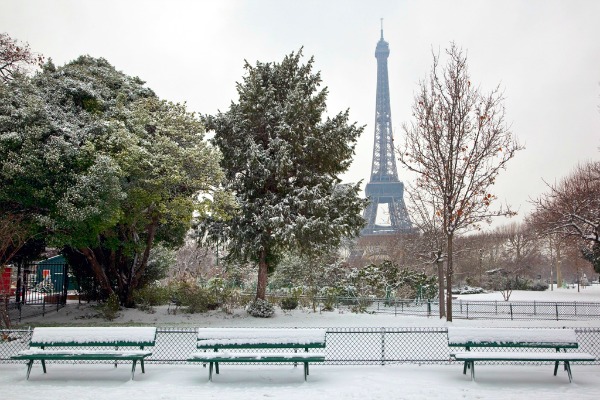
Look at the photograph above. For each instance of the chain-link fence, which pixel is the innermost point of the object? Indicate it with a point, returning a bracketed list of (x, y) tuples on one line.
[(345, 346), (468, 309)]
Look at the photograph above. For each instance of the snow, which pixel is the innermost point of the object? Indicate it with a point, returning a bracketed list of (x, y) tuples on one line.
[(74, 352), (92, 335), (257, 356), (511, 335), (407, 381), (325, 382), (521, 355), (209, 337)]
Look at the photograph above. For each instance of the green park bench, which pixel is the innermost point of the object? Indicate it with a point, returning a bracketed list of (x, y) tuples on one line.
[(503, 341), (256, 345), (76, 343)]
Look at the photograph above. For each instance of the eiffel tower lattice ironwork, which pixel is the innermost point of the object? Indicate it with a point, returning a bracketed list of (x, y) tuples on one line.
[(384, 186)]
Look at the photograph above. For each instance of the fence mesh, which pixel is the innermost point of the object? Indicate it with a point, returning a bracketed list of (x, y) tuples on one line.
[(345, 346)]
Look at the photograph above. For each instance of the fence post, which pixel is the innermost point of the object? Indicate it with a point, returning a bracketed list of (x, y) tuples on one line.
[(428, 307), (556, 305), (382, 346), (44, 306), (395, 307), (534, 308), (467, 310), (511, 311)]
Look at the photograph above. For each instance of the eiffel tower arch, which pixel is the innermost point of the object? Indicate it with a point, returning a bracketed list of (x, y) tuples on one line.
[(384, 187)]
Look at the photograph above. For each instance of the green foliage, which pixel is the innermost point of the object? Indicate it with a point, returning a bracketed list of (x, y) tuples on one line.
[(260, 308), (289, 303), (109, 310), (104, 167), (193, 298), (150, 296), (330, 297), (282, 157)]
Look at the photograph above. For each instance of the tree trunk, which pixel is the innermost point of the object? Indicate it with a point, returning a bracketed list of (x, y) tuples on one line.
[(440, 270), (98, 270), (449, 272), (261, 287)]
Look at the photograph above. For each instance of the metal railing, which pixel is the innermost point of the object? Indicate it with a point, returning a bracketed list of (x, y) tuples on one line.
[(345, 346), (510, 310)]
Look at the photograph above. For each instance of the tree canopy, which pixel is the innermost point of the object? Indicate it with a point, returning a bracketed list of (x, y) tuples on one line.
[(107, 169), (282, 158)]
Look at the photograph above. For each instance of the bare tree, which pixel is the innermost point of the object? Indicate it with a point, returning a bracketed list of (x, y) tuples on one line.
[(15, 57), (457, 144), (572, 208)]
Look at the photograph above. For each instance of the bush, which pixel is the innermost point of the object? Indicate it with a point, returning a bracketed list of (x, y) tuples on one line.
[(194, 298), (150, 296), (539, 286), (289, 303), (109, 310), (260, 308)]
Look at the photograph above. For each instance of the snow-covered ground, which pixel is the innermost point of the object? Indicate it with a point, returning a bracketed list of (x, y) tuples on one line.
[(404, 381), (83, 315)]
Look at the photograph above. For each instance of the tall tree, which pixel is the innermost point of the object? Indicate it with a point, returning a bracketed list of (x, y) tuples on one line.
[(282, 159), (457, 144), (103, 165), (572, 208)]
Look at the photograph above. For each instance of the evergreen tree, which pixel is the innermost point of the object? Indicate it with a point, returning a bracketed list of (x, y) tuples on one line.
[(282, 159), (106, 168)]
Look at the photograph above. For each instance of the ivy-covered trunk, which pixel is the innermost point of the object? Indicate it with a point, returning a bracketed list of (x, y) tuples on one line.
[(263, 267)]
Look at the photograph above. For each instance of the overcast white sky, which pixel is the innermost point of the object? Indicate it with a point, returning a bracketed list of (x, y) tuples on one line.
[(545, 54)]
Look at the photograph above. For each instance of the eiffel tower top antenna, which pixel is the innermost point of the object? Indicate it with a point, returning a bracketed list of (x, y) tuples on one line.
[(381, 28)]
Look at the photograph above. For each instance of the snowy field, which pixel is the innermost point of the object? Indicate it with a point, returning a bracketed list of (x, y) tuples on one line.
[(403, 381)]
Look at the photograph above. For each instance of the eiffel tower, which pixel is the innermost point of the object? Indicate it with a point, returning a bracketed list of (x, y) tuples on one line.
[(384, 186)]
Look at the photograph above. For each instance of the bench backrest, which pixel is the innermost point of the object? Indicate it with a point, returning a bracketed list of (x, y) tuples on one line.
[(257, 337), (512, 337), (87, 336)]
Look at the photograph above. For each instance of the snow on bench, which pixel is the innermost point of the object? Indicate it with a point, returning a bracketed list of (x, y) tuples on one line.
[(71, 339), (512, 337), (257, 338), (559, 339)]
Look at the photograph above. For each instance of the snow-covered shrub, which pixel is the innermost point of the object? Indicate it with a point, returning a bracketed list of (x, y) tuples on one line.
[(260, 308), (539, 286), (289, 303)]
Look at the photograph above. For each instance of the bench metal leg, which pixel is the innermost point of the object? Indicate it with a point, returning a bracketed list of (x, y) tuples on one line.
[(305, 370), (142, 365), (29, 365), (43, 365), (568, 368), (133, 369), (472, 365), (210, 369), (465, 367)]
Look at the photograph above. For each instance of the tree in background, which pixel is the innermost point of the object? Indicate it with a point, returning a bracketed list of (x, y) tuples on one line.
[(457, 144), (106, 168), (282, 159), (572, 208), (15, 58)]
